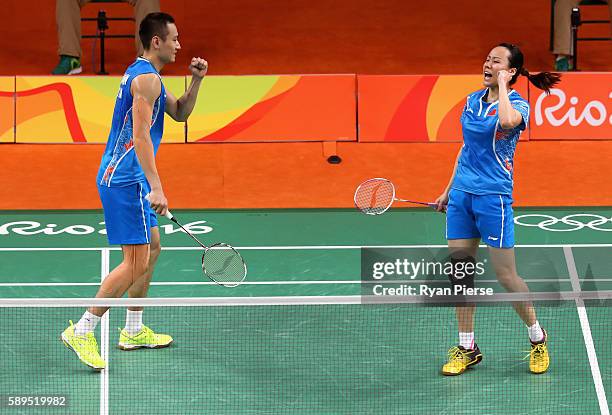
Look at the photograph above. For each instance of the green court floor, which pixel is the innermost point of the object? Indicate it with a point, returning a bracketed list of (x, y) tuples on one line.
[(306, 359)]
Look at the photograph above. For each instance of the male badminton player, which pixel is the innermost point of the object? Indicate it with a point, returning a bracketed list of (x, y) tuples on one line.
[(479, 196), (127, 174)]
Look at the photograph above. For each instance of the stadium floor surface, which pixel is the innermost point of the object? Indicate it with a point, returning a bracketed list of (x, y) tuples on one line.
[(322, 359)]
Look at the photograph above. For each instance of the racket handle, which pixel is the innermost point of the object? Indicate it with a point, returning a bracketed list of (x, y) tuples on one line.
[(168, 215), (435, 206)]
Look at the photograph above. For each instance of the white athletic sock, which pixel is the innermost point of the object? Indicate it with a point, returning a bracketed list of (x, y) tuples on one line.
[(86, 324), (535, 332), (133, 322), (466, 340)]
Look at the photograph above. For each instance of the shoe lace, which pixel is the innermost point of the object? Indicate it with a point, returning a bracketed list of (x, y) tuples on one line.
[(91, 341), (537, 351), (456, 354), (87, 339), (146, 332)]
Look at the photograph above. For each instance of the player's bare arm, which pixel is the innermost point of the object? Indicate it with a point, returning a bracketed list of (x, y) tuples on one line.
[(442, 200), (180, 109)]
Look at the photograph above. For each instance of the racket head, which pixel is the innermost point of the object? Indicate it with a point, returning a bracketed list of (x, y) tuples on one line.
[(374, 196), (224, 265)]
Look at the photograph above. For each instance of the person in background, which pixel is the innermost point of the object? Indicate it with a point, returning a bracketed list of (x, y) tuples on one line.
[(562, 33), (68, 17)]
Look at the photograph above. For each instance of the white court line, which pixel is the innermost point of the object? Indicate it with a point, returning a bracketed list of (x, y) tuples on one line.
[(306, 247), (281, 300), (55, 249), (282, 282), (586, 333), (104, 341), (48, 284)]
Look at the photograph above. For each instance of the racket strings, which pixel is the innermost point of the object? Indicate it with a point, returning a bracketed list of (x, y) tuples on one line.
[(224, 265), (374, 196)]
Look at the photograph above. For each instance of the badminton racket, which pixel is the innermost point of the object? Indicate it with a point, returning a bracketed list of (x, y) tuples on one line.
[(375, 197), (220, 261)]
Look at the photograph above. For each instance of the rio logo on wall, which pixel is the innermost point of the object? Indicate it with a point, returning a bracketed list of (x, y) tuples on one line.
[(579, 107), (30, 227)]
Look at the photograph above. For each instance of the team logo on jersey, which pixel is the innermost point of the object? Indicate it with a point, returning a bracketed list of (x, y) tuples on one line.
[(128, 145), (508, 165), (500, 135), (492, 113)]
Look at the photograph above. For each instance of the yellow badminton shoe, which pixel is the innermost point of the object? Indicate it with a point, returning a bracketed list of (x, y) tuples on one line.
[(85, 347), (460, 359), (539, 360), (145, 338)]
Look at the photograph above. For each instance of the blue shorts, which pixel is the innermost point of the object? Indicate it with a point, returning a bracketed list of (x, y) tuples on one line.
[(488, 217), (127, 214)]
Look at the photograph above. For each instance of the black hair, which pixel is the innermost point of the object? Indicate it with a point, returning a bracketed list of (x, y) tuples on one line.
[(154, 24), (542, 80)]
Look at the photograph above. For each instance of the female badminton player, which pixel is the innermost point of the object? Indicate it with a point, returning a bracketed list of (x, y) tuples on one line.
[(479, 196)]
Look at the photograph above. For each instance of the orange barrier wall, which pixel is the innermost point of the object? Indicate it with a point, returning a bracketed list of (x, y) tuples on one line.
[(76, 109), (297, 175), (427, 108), (229, 109), (275, 108), (7, 109), (415, 107)]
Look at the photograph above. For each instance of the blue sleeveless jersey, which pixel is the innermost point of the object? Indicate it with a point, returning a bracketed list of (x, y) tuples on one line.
[(120, 166), (486, 164)]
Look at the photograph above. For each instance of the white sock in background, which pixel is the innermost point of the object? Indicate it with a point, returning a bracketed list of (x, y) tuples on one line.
[(133, 322), (86, 324), (466, 340), (535, 332)]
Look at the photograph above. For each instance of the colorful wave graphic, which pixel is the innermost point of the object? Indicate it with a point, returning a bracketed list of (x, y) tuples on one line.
[(7, 109), (389, 108), (417, 108), (276, 108), (74, 109), (229, 108)]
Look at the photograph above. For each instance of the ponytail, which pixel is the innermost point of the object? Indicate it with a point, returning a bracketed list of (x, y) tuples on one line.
[(542, 80)]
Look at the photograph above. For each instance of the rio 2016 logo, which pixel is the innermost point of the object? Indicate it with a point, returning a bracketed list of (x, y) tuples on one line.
[(29, 228), (594, 112)]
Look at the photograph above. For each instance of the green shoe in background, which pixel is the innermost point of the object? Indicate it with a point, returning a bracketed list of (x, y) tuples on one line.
[(563, 64), (68, 65)]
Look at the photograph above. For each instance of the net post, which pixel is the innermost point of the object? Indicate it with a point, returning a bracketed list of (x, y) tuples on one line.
[(104, 335)]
